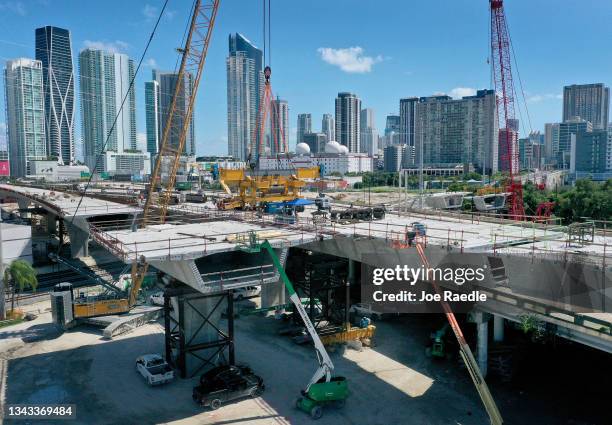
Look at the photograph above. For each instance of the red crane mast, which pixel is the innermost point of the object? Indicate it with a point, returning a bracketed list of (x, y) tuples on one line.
[(504, 90)]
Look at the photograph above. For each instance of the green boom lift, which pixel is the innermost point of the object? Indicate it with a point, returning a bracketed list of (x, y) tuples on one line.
[(323, 389)]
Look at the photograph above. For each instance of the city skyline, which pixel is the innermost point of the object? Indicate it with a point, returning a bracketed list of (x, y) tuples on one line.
[(325, 56)]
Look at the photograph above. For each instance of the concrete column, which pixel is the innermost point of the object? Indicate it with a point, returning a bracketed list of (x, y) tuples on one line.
[(498, 328), (23, 204), (78, 232), (51, 224), (194, 309), (482, 326), (274, 293), (483, 347)]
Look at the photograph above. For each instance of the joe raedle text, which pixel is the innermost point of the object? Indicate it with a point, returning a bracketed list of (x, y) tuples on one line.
[(397, 285)]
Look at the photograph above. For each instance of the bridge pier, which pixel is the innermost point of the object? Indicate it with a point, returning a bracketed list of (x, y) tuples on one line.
[(498, 328), (78, 232), (274, 293), (194, 340), (482, 351), (51, 223), (23, 205)]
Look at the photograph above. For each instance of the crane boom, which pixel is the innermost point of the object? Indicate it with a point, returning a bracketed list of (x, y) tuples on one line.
[(504, 90), (465, 351), (325, 364), (181, 109)]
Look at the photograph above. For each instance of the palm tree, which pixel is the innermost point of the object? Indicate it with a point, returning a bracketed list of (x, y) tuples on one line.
[(19, 274)]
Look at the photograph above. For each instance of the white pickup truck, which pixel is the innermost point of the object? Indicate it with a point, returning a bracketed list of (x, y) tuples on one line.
[(154, 369)]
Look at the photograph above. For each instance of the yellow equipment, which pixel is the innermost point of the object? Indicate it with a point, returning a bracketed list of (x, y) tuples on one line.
[(102, 307), (251, 191), (177, 122)]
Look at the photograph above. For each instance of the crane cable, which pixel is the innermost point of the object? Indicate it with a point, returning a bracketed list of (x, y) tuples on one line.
[(127, 94)]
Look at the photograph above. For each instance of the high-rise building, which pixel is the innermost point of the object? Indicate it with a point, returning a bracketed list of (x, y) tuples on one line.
[(105, 81), (54, 50), (513, 124), (508, 154), (25, 114), (551, 142), (530, 151), (316, 142), (152, 116), (392, 131), (394, 157), (166, 87), (328, 127), (304, 126), (280, 122), (589, 152), (348, 109), (367, 133), (450, 131), (407, 120), (245, 82), (590, 102), (567, 130), (609, 149)]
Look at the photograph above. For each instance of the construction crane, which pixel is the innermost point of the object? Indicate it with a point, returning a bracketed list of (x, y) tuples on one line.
[(181, 109), (504, 90), (193, 57), (464, 349)]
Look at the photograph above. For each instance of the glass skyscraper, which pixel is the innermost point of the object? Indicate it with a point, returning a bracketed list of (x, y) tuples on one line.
[(162, 89), (105, 79), (54, 50), (348, 113), (245, 82), (23, 83)]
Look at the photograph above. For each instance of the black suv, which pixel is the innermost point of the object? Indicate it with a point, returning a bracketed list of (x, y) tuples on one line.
[(226, 383)]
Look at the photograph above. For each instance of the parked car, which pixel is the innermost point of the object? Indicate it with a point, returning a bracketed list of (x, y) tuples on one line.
[(154, 369), (157, 298), (246, 292), (226, 383), (365, 310)]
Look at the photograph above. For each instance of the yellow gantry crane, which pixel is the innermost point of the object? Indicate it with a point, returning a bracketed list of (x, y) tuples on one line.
[(251, 191), (178, 120)]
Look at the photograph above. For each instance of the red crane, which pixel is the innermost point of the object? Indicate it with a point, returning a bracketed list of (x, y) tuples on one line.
[(504, 90)]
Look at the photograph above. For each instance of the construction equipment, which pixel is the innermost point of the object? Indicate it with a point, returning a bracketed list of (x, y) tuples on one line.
[(180, 113), (464, 349), (504, 89), (249, 191), (438, 343), (322, 389)]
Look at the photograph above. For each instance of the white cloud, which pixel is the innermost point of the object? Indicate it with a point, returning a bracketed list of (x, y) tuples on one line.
[(349, 60), (459, 92), (116, 46), (535, 98), (14, 7), (149, 12), (170, 14), (151, 63)]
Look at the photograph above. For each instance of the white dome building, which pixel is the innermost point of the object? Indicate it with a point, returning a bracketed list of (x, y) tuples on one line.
[(343, 150), (333, 147), (302, 149)]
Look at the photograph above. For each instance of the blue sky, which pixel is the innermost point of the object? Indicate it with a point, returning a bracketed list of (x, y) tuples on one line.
[(380, 49)]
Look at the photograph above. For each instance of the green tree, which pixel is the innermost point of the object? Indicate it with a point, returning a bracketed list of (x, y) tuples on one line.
[(19, 275)]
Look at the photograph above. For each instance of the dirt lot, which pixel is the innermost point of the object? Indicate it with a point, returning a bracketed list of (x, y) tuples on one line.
[(392, 383)]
